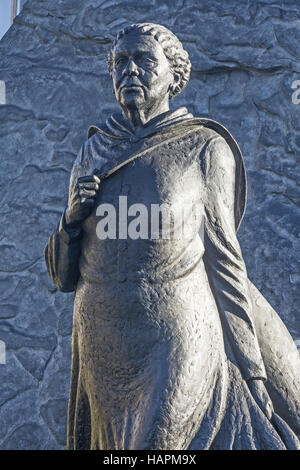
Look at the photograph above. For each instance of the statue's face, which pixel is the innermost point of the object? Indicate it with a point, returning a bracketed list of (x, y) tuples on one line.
[(141, 73)]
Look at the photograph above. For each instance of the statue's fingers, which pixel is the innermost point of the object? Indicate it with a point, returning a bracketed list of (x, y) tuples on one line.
[(88, 179), (96, 178), (87, 201), (89, 186), (88, 193)]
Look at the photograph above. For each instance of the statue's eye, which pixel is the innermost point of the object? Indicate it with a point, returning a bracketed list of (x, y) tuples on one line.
[(120, 61), (151, 63)]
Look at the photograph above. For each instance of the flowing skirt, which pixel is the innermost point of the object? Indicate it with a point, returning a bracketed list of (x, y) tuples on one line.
[(153, 370)]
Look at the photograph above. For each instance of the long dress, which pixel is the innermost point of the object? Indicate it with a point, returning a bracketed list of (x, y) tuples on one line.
[(164, 335)]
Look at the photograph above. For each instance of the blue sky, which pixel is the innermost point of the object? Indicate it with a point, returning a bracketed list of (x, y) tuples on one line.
[(4, 16)]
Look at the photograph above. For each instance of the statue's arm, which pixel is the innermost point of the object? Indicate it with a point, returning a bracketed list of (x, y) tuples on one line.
[(64, 245), (223, 259), (61, 256)]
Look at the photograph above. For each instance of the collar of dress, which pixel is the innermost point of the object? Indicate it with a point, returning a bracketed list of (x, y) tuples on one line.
[(117, 126)]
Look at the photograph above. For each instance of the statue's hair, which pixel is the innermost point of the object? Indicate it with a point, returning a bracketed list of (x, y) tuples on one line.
[(178, 58)]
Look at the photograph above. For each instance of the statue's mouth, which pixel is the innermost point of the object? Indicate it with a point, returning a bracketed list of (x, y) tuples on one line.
[(130, 87)]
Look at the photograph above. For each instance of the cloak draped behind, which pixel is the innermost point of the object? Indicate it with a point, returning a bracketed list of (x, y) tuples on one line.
[(183, 383)]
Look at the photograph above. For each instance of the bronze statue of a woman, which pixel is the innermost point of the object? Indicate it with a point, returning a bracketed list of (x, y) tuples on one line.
[(173, 347)]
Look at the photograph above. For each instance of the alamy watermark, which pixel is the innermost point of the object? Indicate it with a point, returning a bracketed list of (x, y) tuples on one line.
[(296, 95), (2, 352), (2, 92), (156, 221)]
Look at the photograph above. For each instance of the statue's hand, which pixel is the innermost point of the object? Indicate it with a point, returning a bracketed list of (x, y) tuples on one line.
[(261, 396), (82, 199)]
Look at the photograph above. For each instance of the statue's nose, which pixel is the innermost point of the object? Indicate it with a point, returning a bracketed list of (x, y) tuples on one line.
[(131, 68)]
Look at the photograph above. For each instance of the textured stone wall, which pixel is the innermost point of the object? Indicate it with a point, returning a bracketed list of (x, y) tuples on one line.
[(245, 57)]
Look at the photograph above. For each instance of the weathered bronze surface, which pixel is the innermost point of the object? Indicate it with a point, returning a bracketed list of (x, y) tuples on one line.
[(173, 347)]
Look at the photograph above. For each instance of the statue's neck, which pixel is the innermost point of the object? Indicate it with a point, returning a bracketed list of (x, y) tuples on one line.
[(139, 117)]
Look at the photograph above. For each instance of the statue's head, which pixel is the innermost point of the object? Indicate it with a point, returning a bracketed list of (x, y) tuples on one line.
[(147, 63)]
